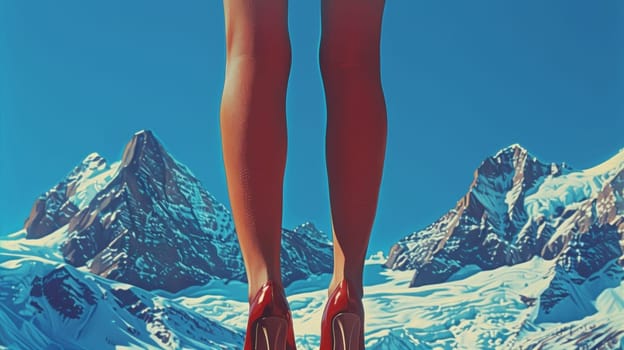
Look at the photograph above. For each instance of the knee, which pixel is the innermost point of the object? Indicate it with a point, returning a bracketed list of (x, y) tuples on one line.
[(264, 58), (266, 49), (342, 59)]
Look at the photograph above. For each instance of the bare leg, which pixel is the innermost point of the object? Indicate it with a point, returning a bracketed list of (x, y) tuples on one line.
[(356, 127), (253, 128)]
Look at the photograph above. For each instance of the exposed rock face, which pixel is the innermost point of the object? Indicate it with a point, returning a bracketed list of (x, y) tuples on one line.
[(64, 292), (517, 208), (53, 209), (487, 227), (148, 221), (305, 251), (153, 225), (587, 247)]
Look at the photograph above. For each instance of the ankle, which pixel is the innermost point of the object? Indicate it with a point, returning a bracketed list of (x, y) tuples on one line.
[(257, 279), (355, 283), (256, 286)]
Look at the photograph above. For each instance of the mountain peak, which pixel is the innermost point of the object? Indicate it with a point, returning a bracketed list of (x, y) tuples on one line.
[(92, 162), (54, 208), (511, 149), (92, 157), (510, 159), (311, 231), (145, 136), (143, 131), (141, 140)]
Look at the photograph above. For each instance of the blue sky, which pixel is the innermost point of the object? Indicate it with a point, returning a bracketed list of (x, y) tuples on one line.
[(462, 79)]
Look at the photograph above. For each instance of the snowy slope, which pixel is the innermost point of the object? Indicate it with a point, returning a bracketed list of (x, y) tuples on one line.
[(66, 309), (488, 310)]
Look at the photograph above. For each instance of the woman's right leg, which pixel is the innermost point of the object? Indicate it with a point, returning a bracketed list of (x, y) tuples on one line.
[(253, 129)]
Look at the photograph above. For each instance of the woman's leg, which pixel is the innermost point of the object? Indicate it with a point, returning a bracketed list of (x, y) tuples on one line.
[(356, 127), (253, 129)]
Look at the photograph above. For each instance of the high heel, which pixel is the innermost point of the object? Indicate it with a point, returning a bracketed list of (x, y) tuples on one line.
[(342, 325), (270, 321)]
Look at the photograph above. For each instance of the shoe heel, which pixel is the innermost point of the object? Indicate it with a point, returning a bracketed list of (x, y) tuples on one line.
[(270, 333), (346, 331)]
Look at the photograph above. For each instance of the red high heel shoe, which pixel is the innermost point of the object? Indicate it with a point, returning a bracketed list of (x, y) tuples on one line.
[(342, 326), (270, 321)]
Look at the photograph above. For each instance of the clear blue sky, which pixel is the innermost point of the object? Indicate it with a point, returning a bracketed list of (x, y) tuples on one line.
[(462, 79)]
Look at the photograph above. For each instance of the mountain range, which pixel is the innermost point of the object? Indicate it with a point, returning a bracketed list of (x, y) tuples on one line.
[(518, 208), (148, 221), (137, 253)]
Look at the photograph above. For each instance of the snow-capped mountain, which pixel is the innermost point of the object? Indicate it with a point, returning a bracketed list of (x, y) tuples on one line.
[(57, 206), (147, 221), (518, 208), (530, 258)]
